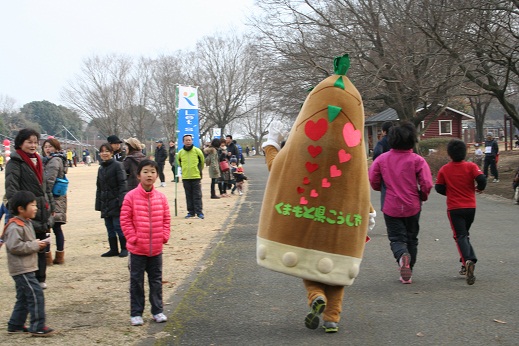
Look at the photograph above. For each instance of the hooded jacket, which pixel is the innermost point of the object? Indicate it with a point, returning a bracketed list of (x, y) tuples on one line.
[(55, 167), (21, 246), (145, 221)]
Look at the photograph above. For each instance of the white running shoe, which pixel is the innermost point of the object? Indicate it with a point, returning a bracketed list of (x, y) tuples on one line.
[(136, 321), (159, 318)]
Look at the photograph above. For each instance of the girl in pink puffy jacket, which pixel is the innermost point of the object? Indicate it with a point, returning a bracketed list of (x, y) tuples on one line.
[(145, 221)]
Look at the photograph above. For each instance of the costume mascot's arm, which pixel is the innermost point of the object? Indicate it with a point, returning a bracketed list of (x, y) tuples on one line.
[(316, 210)]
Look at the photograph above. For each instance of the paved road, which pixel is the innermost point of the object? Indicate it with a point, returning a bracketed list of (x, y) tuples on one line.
[(235, 302)]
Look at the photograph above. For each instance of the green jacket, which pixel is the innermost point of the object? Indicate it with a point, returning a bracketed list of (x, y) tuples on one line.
[(191, 162)]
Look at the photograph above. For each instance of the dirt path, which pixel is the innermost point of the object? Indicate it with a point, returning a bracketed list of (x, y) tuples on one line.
[(87, 298)]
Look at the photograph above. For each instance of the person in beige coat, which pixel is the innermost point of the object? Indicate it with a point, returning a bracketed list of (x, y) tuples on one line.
[(55, 166), (317, 210)]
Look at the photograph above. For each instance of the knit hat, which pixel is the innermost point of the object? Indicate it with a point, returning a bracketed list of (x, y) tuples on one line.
[(233, 159), (134, 143)]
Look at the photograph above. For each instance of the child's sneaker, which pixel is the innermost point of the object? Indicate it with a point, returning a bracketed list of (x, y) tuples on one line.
[(136, 321), (330, 327), (410, 281), (159, 318), (46, 331), (17, 330), (189, 215), (470, 272), (463, 271), (312, 319), (405, 267)]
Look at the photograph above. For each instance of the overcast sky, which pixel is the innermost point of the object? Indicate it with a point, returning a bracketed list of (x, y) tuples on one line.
[(43, 42)]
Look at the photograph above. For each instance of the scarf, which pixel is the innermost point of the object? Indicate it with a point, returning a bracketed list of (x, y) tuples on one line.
[(188, 148), (37, 168)]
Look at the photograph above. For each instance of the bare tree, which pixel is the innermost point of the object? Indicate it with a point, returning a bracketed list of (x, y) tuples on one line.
[(393, 63), (100, 91), (168, 72), (224, 72), (481, 36)]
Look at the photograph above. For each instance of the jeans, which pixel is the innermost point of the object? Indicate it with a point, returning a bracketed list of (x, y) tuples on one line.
[(153, 266), (113, 226), (403, 235), (29, 299), (193, 190)]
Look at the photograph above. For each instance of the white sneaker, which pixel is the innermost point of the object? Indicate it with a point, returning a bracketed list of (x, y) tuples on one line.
[(240, 193), (162, 184), (159, 318), (43, 285), (136, 321), (495, 181)]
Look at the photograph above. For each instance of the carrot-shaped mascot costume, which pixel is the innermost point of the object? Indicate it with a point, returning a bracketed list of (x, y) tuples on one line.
[(316, 210)]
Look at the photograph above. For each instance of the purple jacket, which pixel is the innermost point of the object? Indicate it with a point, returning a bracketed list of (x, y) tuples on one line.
[(407, 178)]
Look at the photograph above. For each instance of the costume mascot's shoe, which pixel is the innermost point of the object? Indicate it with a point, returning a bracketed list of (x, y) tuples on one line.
[(316, 211)]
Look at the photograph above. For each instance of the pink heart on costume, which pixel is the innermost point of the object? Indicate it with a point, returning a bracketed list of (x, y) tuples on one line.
[(313, 193), (316, 130), (306, 181), (303, 201), (311, 167), (325, 183), (351, 136), (335, 172), (300, 190), (314, 151), (344, 156)]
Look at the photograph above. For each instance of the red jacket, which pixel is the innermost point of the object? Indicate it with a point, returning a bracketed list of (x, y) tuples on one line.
[(145, 221)]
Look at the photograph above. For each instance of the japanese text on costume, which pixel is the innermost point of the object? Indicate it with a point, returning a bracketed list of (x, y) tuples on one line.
[(319, 214)]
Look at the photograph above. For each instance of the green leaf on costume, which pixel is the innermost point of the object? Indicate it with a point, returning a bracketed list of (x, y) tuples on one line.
[(341, 64), (333, 112), (339, 83)]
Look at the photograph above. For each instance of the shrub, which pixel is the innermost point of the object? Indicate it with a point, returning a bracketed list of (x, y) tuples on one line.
[(437, 159), (427, 145)]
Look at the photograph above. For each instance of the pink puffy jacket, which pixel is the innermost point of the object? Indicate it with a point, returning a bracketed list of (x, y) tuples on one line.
[(145, 221)]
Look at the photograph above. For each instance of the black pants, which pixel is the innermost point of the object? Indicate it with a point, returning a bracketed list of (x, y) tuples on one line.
[(193, 190), (41, 273), (214, 182), (161, 172), (490, 161), (153, 267), (403, 235), (461, 220)]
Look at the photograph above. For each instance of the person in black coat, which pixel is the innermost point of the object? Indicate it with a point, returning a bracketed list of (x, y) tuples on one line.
[(24, 171), (160, 157), (111, 189)]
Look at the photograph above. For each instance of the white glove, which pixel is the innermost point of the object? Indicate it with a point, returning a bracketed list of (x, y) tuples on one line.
[(371, 224), (274, 135)]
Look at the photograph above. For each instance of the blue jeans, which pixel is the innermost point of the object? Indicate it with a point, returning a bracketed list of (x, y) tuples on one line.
[(113, 226), (29, 299), (139, 264)]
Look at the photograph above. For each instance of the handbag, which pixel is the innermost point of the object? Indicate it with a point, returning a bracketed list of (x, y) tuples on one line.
[(60, 186), (224, 166)]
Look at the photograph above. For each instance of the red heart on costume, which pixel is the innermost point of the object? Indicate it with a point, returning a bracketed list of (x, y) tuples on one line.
[(300, 190), (306, 181), (313, 193), (314, 131), (335, 172), (351, 136), (344, 156), (303, 201), (314, 151), (325, 183), (311, 167)]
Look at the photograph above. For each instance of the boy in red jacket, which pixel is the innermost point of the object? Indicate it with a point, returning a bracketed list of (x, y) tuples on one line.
[(145, 221), (456, 181)]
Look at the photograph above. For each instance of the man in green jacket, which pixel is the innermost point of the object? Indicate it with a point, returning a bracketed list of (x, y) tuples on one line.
[(191, 160)]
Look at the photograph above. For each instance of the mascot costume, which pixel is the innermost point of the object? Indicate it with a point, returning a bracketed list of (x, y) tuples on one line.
[(316, 211)]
